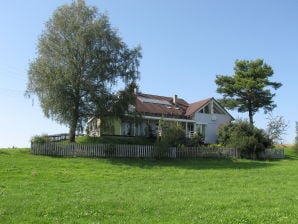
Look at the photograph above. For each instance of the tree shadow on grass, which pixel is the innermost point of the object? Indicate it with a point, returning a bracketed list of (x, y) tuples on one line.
[(291, 157), (194, 164), (2, 152)]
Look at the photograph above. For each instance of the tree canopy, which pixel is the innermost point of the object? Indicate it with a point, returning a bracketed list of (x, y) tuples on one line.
[(248, 90), (276, 128), (81, 62), (245, 137)]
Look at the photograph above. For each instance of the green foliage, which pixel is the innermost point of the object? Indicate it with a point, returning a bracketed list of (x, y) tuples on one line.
[(295, 148), (41, 189), (172, 133), (80, 62), (247, 89), (196, 140), (162, 148), (276, 128), (214, 146), (40, 139), (114, 140), (242, 135)]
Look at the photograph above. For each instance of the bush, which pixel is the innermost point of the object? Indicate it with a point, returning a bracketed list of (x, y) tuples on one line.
[(172, 133), (41, 139), (214, 146), (250, 140), (114, 140), (161, 149), (295, 148), (196, 140)]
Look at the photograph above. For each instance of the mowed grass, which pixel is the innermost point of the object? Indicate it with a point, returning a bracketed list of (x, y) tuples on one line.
[(40, 189)]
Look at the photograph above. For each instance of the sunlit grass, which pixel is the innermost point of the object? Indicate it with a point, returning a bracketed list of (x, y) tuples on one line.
[(39, 189)]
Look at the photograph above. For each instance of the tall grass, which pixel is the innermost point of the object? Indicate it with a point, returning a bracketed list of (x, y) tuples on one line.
[(39, 189)]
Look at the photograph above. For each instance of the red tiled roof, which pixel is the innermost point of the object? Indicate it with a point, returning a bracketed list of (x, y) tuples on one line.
[(165, 105), (193, 107), (169, 108), (169, 99)]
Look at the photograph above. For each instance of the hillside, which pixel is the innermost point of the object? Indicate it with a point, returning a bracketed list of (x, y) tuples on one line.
[(39, 189)]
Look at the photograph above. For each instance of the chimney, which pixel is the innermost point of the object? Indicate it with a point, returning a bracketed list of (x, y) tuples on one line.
[(175, 99)]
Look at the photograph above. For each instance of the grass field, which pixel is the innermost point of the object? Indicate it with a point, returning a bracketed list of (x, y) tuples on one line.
[(39, 189)]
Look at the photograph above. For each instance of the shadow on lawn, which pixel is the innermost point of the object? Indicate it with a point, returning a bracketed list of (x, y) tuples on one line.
[(195, 164), (3, 152), (291, 157)]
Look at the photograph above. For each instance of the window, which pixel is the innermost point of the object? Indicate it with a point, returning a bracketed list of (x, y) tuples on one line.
[(217, 109), (201, 128), (206, 109), (156, 101)]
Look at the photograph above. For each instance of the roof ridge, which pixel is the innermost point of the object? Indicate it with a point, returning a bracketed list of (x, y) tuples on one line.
[(207, 99)]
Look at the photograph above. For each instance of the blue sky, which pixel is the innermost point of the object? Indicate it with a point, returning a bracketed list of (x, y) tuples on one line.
[(185, 44)]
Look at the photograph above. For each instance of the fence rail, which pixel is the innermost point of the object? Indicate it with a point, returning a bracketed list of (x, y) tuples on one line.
[(128, 151), (141, 151), (58, 137)]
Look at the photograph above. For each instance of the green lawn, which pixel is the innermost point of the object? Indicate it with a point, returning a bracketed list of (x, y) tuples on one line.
[(39, 189)]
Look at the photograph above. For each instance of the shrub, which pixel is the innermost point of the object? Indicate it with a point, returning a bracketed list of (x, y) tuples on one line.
[(214, 146), (295, 148), (276, 128), (172, 133), (241, 135), (161, 149), (41, 139), (196, 140)]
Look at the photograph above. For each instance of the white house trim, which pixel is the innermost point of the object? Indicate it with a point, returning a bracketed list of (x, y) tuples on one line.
[(169, 119)]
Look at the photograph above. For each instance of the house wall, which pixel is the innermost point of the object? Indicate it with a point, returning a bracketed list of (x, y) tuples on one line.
[(117, 126), (140, 129), (212, 122), (96, 128), (93, 127)]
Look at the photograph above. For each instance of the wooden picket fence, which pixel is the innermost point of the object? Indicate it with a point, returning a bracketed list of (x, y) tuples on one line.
[(141, 151), (128, 151), (272, 154)]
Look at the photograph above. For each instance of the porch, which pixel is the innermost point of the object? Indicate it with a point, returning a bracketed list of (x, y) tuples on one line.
[(150, 127)]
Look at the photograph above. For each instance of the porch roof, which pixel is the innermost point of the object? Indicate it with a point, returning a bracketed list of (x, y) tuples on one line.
[(169, 119)]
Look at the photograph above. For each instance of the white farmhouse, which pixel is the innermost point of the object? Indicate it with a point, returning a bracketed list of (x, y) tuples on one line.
[(204, 116)]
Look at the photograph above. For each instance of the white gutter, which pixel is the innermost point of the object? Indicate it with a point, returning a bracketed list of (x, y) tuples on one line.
[(168, 119)]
